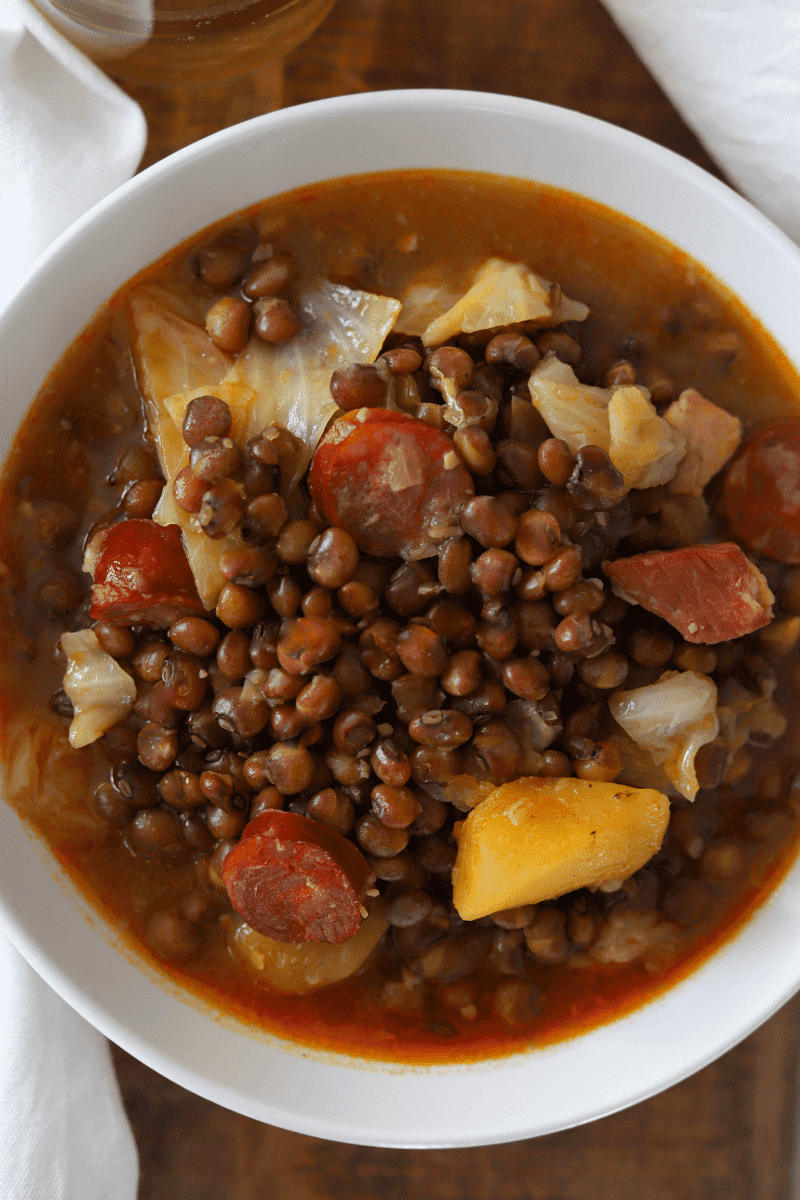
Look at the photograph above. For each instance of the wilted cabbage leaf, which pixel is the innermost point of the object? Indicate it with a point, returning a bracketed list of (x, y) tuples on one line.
[(291, 382), (425, 299), (638, 768), (43, 778), (622, 421), (642, 446), (571, 410), (285, 385), (102, 693), (500, 293), (171, 352), (671, 719), (203, 553)]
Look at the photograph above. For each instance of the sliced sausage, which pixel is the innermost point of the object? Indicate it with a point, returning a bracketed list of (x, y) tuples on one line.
[(709, 593), (761, 493), (394, 483), (296, 880), (142, 576)]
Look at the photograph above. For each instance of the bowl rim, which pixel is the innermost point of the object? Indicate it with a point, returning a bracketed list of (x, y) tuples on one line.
[(702, 1042)]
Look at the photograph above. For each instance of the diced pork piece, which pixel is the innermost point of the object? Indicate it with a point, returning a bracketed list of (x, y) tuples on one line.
[(708, 593), (712, 437), (761, 493)]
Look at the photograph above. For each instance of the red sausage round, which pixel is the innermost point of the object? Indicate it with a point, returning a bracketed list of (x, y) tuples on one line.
[(391, 481), (761, 493), (142, 576), (297, 880)]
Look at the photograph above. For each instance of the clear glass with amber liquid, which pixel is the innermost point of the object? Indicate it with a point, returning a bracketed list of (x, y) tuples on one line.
[(193, 67)]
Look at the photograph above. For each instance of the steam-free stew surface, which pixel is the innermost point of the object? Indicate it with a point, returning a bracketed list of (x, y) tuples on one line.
[(83, 455)]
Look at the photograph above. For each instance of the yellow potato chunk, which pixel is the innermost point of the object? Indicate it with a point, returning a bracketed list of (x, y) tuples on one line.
[(536, 839), (307, 966)]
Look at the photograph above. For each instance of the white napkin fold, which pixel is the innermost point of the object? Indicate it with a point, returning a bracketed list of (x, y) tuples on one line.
[(732, 68), (63, 1133), (68, 136)]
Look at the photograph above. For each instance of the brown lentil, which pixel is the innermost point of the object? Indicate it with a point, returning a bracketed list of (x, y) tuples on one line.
[(275, 320), (205, 417), (379, 840)]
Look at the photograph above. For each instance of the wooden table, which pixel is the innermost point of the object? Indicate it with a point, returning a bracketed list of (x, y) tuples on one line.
[(729, 1131)]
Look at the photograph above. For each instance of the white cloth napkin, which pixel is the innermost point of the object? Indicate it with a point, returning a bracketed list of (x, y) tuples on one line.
[(732, 68), (68, 136), (63, 1132)]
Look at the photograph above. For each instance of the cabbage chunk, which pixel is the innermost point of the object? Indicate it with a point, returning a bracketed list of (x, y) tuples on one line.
[(573, 411), (44, 779), (102, 693), (622, 421), (670, 720), (285, 385), (501, 293), (642, 446), (291, 381), (171, 352)]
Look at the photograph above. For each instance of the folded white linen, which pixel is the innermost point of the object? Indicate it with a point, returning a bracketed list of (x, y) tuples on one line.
[(732, 68), (68, 136), (63, 1132)]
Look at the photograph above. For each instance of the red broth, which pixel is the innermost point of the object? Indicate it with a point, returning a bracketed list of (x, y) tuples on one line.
[(82, 446)]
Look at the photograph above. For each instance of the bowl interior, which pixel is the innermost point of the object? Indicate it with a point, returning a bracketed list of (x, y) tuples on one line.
[(69, 943)]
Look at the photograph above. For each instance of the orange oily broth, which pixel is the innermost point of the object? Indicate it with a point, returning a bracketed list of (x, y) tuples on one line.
[(383, 229), (350, 1018)]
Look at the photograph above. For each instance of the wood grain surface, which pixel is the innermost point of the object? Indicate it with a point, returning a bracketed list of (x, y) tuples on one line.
[(727, 1133)]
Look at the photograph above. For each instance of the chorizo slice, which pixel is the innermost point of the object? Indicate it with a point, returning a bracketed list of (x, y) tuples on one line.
[(760, 497), (396, 484), (296, 880), (142, 576), (708, 593)]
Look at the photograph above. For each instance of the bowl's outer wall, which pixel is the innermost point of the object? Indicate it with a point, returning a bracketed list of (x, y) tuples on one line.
[(70, 945)]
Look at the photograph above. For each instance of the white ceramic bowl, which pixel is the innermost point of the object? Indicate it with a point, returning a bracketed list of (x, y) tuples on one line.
[(333, 1096)]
